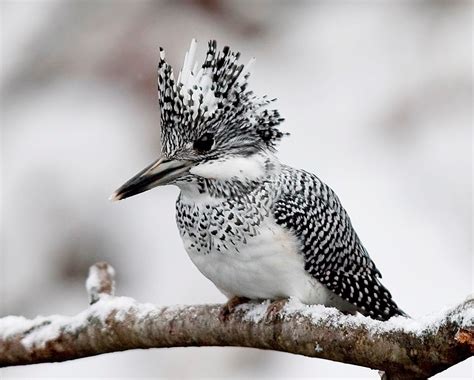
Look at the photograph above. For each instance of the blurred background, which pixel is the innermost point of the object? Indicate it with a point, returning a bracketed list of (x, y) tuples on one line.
[(377, 96)]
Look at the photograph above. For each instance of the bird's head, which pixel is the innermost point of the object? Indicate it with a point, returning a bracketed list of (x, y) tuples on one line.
[(213, 128)]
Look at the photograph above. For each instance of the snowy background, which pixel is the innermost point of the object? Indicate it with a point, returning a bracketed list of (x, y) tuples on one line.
[(377, 96)]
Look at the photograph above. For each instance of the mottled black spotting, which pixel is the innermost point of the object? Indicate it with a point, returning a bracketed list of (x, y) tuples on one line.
[(332, 250)]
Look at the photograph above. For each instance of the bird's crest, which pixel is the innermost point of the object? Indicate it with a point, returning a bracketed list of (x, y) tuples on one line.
[(213, 97)]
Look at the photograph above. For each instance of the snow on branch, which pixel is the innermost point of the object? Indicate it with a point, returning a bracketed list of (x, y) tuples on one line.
[(403, 348)]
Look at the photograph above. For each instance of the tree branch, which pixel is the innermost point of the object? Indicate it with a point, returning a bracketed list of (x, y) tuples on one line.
[(403, 348)]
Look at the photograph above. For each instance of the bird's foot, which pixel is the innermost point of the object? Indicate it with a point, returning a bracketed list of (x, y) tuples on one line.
[(230, 307), (274, 309)]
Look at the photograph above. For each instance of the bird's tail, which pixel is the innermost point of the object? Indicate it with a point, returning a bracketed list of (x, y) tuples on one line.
[(401, 313)]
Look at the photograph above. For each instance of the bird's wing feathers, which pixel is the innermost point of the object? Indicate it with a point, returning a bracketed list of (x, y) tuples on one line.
[(332, 250)]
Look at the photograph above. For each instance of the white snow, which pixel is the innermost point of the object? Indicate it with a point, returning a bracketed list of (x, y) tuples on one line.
[(255, 312), (318, 348), (12, 325), (44, 329), (93, 282), (320, 314)]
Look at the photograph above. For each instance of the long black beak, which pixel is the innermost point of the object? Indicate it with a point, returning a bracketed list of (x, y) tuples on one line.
[(160, 172)]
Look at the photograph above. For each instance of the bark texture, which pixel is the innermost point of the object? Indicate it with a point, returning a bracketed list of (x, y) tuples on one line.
[(402, 348)]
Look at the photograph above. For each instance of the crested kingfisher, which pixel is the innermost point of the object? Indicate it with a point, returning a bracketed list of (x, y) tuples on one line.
[(257, 228)]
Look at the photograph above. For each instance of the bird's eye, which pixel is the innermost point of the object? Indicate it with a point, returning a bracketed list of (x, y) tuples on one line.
[(204, 143)]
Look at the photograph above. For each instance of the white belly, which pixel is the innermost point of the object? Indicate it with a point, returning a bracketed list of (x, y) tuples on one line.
[(269, 266)]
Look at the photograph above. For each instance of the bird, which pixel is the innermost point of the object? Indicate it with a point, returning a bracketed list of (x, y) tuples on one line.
[(255, 227)]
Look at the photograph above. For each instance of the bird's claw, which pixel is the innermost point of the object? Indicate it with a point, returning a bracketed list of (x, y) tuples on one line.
[(230, 307), (274, 309)]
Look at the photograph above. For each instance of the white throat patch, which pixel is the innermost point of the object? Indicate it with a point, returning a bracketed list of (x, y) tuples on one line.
[(242, 168)]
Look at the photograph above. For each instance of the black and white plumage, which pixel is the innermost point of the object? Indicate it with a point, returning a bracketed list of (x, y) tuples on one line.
[(255, 227)]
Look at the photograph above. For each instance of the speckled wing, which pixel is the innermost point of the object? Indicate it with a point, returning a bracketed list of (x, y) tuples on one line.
[(332, 250)]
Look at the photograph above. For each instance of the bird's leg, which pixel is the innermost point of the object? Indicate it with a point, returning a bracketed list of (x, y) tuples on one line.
[(274, 309), (230, 307)]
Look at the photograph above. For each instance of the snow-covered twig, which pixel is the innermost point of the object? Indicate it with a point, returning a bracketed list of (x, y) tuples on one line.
[(403, 348), (100, 281)]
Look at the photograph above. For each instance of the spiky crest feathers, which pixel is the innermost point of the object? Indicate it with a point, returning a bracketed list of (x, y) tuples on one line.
[(214, 98)]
